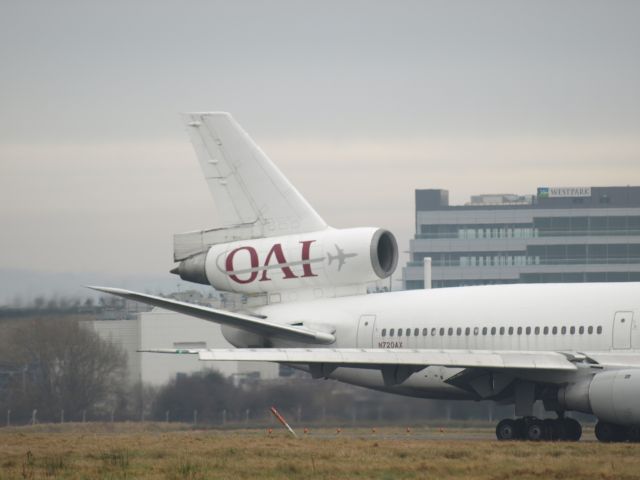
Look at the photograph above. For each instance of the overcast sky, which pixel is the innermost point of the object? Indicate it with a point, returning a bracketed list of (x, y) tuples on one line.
[(359, 103)]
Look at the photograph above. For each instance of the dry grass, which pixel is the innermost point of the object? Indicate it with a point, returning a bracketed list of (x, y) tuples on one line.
[(160, 452)]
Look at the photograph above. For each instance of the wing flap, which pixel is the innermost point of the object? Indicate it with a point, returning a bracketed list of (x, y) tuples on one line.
[(374, 358), (246, 322)]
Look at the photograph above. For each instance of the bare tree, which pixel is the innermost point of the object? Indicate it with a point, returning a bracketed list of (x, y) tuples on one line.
[(67, 367), (208, 392)]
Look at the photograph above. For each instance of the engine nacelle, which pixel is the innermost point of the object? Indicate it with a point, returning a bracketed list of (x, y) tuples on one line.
[(614, 396), (611, 396), (312, 260), (242, 338)]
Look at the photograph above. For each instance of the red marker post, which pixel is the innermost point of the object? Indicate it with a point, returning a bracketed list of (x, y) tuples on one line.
[(281, 419)]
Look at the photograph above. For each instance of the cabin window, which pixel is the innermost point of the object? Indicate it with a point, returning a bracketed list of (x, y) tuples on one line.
[(572, 330), (599, 330), (399, 332), (434, 332), (510, 330), (537, 331), (528, 330), (476, 331), (545, 330), (384, 332), (459, 331), (563, 330), (590, 330), (493, 330), (424, 332), (581, 330), (501, 330), (519, 330), (442, 332), (484, 330), (416, 332), (408, 332), (554, 330), (467, 331), (450, 332), (391, 332)]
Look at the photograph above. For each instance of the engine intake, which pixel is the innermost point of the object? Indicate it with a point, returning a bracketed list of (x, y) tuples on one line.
[(384, 253)]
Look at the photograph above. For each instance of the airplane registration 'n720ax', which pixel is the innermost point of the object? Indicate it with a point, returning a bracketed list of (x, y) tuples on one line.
[(573, 346)]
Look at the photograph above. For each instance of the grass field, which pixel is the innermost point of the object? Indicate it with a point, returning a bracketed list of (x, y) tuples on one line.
[(155, 451)]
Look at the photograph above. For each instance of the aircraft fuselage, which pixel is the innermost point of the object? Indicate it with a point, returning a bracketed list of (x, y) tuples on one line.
[(601, 321)]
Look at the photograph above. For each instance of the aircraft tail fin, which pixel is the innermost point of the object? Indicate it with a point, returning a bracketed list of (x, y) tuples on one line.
[(249, 191)]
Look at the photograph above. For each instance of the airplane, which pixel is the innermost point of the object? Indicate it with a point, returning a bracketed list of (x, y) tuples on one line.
[(340, 256), (575, 347)]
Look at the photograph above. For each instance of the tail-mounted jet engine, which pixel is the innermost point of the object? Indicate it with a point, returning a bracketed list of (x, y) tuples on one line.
[(330, 257)]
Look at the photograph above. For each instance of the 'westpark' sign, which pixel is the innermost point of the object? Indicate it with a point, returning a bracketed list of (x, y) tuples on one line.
[(557, 192)]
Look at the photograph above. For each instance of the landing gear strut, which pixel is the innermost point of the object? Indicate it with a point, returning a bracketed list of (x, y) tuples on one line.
[(534, 429)]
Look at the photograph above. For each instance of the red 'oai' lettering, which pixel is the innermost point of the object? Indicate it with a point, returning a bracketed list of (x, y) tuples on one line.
[(276, 251), (306, 256), (253, 256)]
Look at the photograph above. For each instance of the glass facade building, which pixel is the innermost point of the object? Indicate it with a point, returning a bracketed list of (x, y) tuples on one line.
[(587, 234)]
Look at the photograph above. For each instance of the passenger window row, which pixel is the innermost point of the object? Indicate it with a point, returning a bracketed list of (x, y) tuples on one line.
[(468, 331)]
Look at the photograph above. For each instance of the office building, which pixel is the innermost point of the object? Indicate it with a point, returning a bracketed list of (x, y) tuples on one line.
[(561, 234)]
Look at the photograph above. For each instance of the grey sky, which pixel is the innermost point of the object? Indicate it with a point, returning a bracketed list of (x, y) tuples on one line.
[(358, 102)]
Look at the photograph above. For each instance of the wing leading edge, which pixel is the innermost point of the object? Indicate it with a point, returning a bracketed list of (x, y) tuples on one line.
[(252, 324)]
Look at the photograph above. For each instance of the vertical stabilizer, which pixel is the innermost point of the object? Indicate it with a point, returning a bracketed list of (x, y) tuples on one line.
[(248, 189)]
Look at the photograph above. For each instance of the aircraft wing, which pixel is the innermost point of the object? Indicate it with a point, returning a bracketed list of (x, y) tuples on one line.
[(250, 323), (399, 364), (374, 357)]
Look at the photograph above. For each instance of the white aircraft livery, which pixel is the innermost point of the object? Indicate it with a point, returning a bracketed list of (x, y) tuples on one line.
[(575, 347)]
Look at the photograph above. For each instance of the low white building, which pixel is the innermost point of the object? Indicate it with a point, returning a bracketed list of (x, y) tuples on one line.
[(124, 333), (164, 329)]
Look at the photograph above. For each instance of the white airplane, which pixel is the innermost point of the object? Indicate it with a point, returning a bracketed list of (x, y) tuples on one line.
[(573, 346)]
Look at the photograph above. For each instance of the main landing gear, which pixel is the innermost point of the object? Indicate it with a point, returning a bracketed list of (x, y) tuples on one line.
[(535, 429), (608, 432)]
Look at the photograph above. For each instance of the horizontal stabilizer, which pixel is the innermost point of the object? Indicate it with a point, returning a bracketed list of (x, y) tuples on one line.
[(249, 323), (373, 358)]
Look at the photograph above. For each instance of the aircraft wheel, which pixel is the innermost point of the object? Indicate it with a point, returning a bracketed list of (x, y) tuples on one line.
[(507, 430), (571, 430), (552, 429), (608, 432), (536, 430)]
